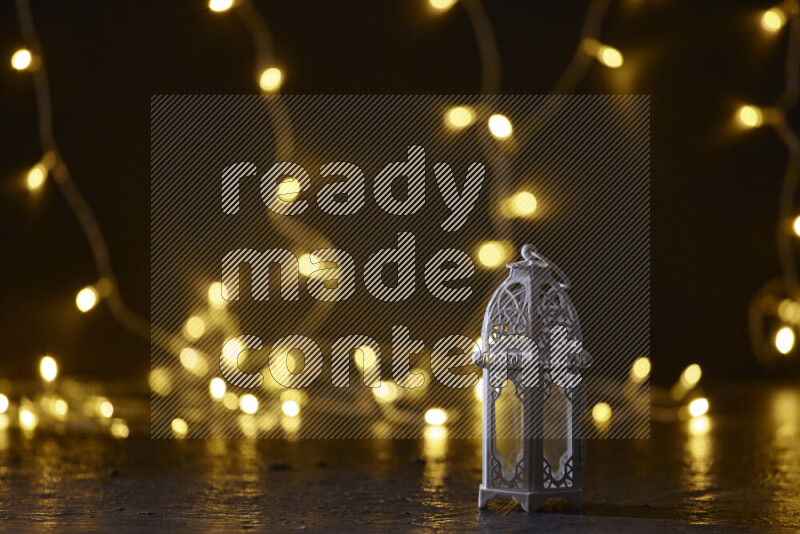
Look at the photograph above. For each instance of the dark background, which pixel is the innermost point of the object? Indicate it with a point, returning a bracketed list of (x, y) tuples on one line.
[(714, 188)]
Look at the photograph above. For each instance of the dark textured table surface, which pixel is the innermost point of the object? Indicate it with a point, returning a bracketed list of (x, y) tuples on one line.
[(743, 473)]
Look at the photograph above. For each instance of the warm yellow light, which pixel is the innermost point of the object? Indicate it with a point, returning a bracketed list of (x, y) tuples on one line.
[(500, 126), (479, 390), (5, 421), (784, 340), (288, 189), (773, 19), (305, 265), (492, 253), (290, 408), (215, 299), (231, 351), (106, 409), (48, 368), (36, 177), (750, 116), (271, 79), (119, 429), (640, 369), (217, 388), (459, 117), (368, 360), (248, 403), (160, 382), (698, 407), (61, 407), (796, 225), (220, 5), (3, 403), (28, 419), (179, 426), (610, 57), (195, 327), (789, 311), (601, 412), (524, 204), (442, 5), (230, 400), (607, 55), (699, 425), (188, 358), (193, 362), (21, 59), (386, 392), (86, 299), (691, 375), (435, 416)]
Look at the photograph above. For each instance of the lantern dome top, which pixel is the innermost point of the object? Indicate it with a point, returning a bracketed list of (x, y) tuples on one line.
[(530, 313)]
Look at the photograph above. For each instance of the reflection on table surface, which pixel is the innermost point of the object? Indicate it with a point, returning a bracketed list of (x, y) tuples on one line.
[(739, 465)]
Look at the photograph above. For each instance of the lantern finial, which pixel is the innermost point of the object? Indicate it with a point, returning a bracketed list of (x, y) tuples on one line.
[(529, 252)]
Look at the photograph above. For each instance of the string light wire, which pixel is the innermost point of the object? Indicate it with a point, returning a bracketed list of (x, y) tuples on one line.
[(765, 300)]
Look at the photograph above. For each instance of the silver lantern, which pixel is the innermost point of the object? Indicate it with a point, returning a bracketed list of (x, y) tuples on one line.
[(533, 395)]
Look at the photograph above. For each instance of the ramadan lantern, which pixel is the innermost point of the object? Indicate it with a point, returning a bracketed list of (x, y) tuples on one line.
[(533, 395)]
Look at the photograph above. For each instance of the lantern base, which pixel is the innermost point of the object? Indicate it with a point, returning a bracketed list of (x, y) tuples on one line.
[(529, 500)]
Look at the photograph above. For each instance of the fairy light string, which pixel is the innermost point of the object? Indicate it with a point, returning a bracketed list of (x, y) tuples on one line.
[(778, 298), (270, 77)]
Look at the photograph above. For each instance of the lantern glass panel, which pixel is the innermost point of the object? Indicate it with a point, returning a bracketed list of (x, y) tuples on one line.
[(557, 442), (508, 434)]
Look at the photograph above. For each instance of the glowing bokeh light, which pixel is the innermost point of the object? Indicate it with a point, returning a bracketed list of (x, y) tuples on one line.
[(3, 403), (48, 368), (288, 189), (248, 403), (22, 59), (601, 412), (215, 292), (459, 117), (773, 19), (500, 126), (61, 407), (119, 429), (290, 408), (386, 392), (640, 369), (442, 5), (180, 427), (195, 327), (435, 416), (492, 253), (750, 116), (610, 57), (160, 382), (36, 177), (691, 375), (524, 204), (86, 299), (28, 420), (784, 340), (219, 6), (105, 409), (217, 388), (271, 79), (699, 425), (698, 407)]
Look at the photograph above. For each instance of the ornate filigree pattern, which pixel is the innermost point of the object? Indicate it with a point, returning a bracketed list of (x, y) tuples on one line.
[(550, 482)]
